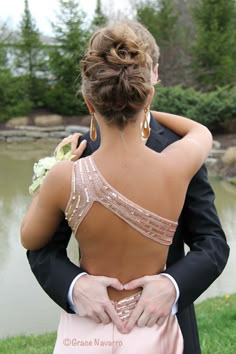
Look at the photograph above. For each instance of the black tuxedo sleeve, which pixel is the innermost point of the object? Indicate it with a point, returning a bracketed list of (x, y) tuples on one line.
[(199, 227), (53, 269)]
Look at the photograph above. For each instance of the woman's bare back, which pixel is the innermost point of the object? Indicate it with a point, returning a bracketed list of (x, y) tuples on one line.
[(109, 244)]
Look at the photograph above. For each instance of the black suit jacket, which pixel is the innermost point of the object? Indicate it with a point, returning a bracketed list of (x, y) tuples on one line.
[(199, 227)]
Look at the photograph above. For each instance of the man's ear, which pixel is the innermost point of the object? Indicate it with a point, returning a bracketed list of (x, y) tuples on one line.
[(151, 95), (155, 74), (89, 105), (149, 98)]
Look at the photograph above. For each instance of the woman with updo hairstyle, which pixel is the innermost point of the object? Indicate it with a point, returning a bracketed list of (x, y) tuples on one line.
[(116, 73), (121, 202)]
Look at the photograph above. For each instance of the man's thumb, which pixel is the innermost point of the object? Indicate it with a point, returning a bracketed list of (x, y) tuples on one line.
[(133, 284), (114, 283)]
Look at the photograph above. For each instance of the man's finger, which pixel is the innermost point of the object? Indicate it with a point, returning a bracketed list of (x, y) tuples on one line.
[(136, 283), (152, 320), (115, 317), (103, 317), (134, 317), (79, 151), (160, 321), (74, 139), (94, 317), (147, 319), (113, 282)]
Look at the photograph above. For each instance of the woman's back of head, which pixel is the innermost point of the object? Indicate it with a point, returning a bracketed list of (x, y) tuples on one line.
[(143, 34), (117, 73)]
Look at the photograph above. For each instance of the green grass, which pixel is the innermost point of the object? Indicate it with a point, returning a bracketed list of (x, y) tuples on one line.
[(217, 325), (42, 344), (216, 322)]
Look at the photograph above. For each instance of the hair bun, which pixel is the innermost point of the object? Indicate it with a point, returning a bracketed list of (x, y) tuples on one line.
[(116, 73), (125, 49)]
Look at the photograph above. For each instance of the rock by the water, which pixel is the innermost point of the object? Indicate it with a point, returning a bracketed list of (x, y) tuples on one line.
[(216, 144), (229, 157), (17, 122), (70, 129), (48, 120)]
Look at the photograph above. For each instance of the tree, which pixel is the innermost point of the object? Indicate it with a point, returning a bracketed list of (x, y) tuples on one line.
[(70, 41), (14, 100), (3, 51), (30, 56), (100, 19), (214, 49), (160, 17)]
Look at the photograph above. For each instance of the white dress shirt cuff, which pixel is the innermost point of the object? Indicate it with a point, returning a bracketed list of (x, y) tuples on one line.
[(174, 309), (70, 292)]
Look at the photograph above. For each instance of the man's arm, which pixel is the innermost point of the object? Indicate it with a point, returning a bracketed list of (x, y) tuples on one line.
[(51, 266), (53, 269), (200, 228)]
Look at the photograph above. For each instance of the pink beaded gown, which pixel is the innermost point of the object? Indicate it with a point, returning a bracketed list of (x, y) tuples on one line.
[(82, 335)]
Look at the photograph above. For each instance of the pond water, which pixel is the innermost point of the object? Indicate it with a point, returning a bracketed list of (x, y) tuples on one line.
[(24, 306)]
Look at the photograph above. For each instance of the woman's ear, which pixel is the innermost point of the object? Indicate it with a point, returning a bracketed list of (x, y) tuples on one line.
[(89, 105), (155, 75)]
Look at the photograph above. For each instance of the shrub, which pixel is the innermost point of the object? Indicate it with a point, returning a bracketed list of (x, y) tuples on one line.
[(14, 99), (210, 109), (63, 100)]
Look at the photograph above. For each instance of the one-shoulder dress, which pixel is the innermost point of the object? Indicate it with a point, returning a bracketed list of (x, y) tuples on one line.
[(83, 335)]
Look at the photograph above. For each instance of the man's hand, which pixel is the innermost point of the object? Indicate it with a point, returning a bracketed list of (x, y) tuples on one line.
[(73, 139), (155, 303), (91, 299)]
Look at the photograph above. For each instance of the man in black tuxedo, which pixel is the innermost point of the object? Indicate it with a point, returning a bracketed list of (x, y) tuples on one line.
[(199, 228)]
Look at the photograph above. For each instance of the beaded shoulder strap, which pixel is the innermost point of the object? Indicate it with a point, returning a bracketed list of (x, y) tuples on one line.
[(88, 185), (80, 201)]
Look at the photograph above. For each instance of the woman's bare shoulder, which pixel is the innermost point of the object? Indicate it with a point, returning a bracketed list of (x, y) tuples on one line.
[(59, 177)]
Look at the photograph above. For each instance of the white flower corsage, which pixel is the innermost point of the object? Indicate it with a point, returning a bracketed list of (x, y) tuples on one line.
[(43, 166)]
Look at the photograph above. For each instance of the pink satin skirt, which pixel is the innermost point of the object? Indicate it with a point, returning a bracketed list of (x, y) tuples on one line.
[(82, 335)]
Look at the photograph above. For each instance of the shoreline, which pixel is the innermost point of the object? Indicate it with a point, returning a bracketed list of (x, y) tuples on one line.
[(32, 132), (14, 131)]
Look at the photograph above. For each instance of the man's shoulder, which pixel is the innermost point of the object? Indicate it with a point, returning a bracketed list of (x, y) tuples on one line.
[(162, 135), (170, 135)]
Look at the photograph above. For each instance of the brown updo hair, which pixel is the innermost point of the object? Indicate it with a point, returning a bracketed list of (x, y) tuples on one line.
[(116, 73)]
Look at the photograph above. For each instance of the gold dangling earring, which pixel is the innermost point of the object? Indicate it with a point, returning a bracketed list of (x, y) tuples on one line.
[(93, 131), (145, 132)]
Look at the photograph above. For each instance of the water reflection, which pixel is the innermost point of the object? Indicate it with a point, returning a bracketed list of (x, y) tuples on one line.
[(226, 208), (25, 308), (22, 302)]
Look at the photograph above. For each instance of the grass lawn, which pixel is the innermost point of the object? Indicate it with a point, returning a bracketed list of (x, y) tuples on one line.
[(216, 322), (217, 325), (43, 344)]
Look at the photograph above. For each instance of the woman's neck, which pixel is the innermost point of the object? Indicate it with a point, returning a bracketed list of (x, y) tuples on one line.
[(121, 141)]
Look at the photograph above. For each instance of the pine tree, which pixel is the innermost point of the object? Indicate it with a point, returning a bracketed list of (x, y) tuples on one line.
[(30, 56), (3, 48), (160, 18), (214, 48), (71, 39), (14, 99), (100, 19)]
